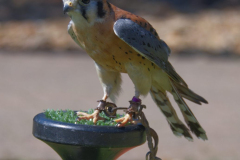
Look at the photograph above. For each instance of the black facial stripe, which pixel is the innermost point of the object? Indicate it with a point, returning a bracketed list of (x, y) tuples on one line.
[(83, 10), (101, 13), (109, 6)]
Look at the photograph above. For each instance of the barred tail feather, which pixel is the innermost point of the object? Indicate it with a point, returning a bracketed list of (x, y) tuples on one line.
[(189, 94), (189, 117), (162, 101)]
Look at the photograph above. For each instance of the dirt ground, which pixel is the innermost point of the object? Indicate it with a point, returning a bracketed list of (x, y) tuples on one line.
[(30, 83), (214, 32)]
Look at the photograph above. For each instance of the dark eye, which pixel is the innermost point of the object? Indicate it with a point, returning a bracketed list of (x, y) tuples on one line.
[(85, 1)]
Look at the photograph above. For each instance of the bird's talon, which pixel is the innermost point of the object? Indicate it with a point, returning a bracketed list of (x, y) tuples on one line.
[(118, 124), (124, 120), (91, 117)]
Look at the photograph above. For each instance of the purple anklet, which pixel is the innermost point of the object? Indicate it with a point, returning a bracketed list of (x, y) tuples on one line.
[(135, 99)]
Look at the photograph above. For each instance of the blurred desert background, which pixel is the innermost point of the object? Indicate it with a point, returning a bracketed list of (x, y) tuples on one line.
[(41, 67)]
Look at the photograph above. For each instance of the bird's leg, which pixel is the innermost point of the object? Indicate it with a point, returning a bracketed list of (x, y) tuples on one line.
[(111, 82), (95, 115), (131, 111)]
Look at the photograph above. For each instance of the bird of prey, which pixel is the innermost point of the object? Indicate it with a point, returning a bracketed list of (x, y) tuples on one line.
[(121, 42)]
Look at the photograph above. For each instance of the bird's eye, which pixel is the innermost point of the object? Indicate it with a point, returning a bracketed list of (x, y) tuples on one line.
[(85, 1)]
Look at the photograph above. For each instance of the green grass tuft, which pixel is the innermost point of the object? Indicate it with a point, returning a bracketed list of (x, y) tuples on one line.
[(70, 116)]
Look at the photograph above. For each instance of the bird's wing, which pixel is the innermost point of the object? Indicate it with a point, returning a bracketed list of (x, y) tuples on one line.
[(146, 44), (72, 34)]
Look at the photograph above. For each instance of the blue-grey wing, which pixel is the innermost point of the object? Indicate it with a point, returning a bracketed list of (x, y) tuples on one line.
[(142, 40), (146, 44)]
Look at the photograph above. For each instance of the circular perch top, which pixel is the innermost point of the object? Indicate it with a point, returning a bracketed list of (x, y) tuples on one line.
[(86, 135)]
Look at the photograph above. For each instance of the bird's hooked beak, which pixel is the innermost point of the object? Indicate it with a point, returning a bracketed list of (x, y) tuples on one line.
[(68, 6)]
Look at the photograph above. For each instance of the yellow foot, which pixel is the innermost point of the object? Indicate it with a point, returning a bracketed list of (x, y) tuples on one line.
[(124, 120), (95, 116)]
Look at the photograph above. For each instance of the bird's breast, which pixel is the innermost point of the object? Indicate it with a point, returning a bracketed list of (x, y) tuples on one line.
[(109, 51)]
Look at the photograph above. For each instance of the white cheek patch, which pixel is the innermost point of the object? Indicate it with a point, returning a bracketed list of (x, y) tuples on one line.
[(92, 13)]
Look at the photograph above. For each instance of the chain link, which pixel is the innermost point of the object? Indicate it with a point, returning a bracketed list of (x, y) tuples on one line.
[(136, 109), (151, 135)]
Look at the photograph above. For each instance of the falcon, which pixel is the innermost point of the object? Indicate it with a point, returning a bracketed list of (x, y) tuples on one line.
[(121, 42)]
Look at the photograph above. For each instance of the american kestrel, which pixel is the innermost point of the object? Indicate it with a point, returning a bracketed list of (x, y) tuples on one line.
[(121, 42)]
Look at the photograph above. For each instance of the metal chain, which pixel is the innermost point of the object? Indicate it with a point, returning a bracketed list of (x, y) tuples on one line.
[(135, 108), (151, 134)]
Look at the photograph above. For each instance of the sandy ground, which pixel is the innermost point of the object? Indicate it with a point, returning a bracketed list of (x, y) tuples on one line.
[(212, 31), (31, 83)]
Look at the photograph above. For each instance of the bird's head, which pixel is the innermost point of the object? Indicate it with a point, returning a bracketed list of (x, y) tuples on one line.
[(90, 10)]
